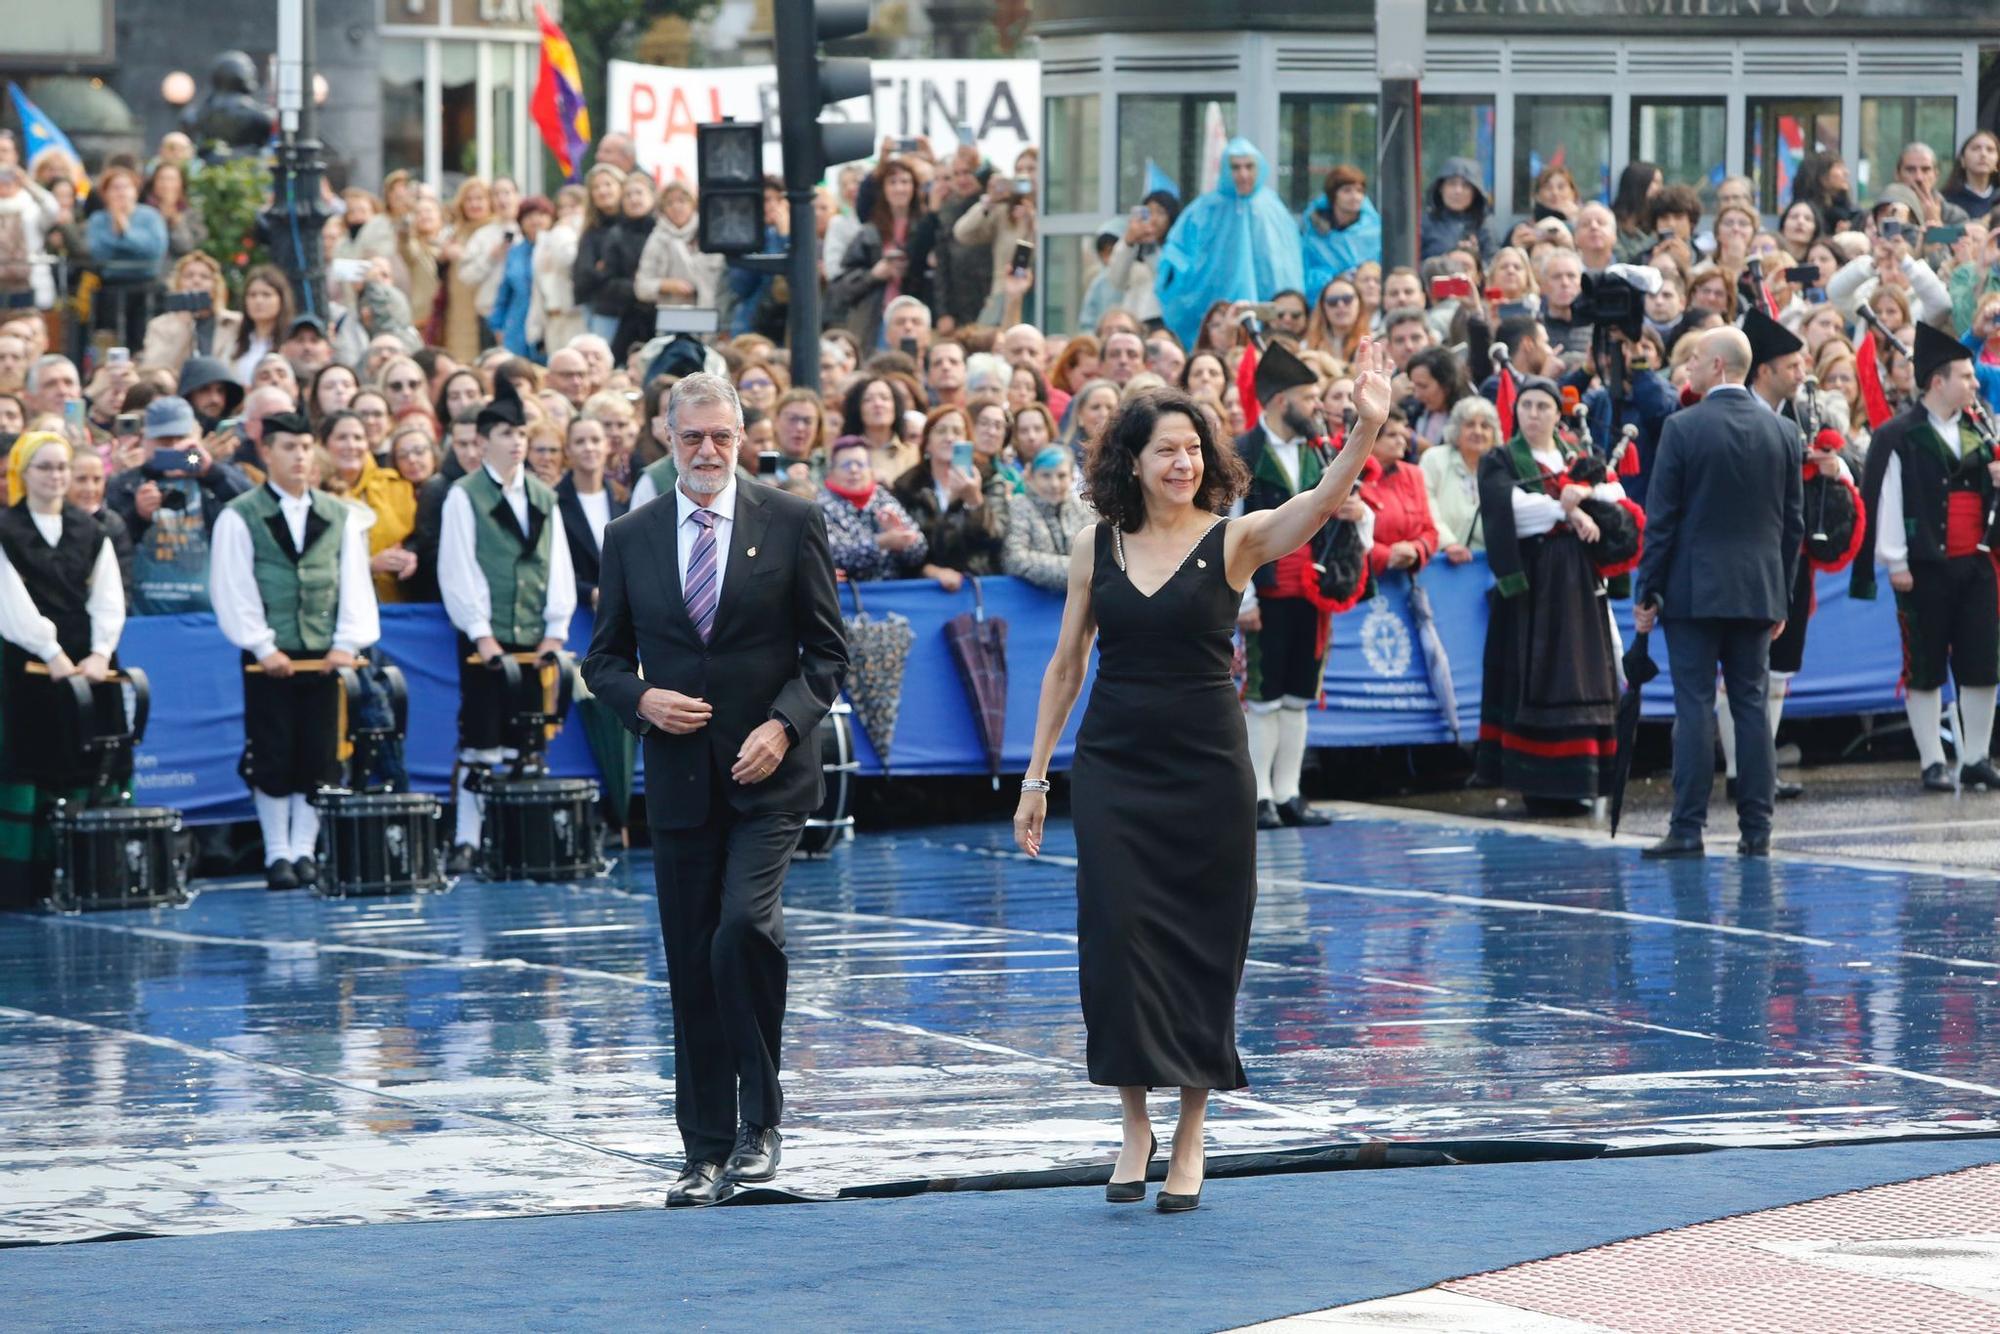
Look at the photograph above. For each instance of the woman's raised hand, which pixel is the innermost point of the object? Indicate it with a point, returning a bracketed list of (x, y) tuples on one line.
[(1372, 369)]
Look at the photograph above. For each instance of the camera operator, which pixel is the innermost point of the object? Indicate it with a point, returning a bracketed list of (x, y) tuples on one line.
[(1631, 389), (170, 502)]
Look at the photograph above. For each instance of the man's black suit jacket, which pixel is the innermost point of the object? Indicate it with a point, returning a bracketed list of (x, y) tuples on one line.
[(777, 649), (1725, 513)]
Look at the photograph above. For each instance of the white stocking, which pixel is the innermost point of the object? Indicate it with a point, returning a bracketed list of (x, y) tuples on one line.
[(1926, 711), (1774, 698), (1263, 725), (1291, 756), (305, 827), (472, 806), (1975, 709), (274, 819)]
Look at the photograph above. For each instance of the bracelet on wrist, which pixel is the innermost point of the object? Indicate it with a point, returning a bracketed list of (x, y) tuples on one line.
[(1034, 785)]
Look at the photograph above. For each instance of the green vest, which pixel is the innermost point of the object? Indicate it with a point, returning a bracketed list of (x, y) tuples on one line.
[(517, 577), (302, 597), (663, 472)]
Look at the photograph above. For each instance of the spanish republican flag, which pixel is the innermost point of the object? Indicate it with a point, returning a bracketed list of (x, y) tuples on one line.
[(558, 107)]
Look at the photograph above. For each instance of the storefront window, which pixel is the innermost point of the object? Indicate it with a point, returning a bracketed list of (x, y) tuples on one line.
[(1573, 132), (1061, 281), (402, 66), (1890, 123), (1170, 133), (1687, 140), (1457, 127), (1780, 132), (1317, 134), (459, 95), (506, 109), (1069, 167)]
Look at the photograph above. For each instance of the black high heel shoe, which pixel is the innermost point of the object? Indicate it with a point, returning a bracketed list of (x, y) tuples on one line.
[(1169, 1203), (1131, 1192)]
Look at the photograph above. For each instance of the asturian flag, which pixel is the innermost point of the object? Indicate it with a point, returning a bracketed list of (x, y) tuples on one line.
[(558, 107), (40, 133)]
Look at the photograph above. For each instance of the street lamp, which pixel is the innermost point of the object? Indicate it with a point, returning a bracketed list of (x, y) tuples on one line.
[(293, 223)]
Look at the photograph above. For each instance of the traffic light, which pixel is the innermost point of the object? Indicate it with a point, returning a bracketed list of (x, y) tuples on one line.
[(809, 83), (729, 182)]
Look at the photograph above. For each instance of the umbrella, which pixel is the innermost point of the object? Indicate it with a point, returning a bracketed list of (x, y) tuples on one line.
[(1639, 669), (877, 648), (613, 749), (979, 650), (1436, 663)]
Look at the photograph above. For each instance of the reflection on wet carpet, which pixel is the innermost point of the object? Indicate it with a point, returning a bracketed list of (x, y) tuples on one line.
[(269, 1060)]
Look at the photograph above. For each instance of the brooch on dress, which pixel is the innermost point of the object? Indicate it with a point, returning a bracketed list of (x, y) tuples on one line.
[(1200, 564)]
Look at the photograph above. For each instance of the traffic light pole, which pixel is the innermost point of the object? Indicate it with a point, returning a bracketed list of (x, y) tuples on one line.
[(802, 313)]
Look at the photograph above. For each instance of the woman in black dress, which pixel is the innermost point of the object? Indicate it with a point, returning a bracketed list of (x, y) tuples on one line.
[(1162, 795)]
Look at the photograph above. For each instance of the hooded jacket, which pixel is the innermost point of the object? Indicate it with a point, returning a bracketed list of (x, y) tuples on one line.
[(1331, 251), (1443, 227)]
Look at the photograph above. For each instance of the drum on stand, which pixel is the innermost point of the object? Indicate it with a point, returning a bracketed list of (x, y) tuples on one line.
[(541, 828), (119, 857), (378, 843), (833, 823)]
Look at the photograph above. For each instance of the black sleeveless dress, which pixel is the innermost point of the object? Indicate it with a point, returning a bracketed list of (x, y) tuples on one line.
[(1165, 807)]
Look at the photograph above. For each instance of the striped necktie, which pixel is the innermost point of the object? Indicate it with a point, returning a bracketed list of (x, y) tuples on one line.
[(700, 589)]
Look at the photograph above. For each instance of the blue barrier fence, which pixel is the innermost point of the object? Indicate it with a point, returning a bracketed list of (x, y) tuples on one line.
[(1378, 686)]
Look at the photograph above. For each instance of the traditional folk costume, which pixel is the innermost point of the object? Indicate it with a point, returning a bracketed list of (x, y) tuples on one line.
[(1928, 494), (1833, 536), (504, 570), (1285, 659), (290, 574), (61, 594), (1548, 712)]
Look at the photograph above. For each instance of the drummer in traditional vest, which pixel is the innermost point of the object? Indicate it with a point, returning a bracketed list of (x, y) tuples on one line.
[(1286, 621), (62, 608), (1929, 487), (505, 576), (288, 576)]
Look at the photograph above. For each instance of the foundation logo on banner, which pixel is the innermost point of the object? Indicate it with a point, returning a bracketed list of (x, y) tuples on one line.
[(1385, 640)]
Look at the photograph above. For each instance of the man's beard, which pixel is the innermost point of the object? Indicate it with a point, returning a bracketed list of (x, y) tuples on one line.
[(704, 484), (1297, 420)]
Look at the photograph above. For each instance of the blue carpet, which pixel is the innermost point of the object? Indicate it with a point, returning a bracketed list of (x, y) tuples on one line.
[(1259, 1248)]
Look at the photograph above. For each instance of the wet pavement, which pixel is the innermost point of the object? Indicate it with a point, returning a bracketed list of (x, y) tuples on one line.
[(261, 1060), (1874, 811)]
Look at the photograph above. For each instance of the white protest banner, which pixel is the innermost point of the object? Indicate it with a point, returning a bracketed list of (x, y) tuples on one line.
[(998, 101)]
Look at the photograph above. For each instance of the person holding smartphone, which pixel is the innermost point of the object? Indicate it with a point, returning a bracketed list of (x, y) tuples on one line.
[(170, 504), (1003, 220), (958, 503), (1891, 259)]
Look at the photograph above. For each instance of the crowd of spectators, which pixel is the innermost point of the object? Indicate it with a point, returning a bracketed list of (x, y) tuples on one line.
[(947, 434)]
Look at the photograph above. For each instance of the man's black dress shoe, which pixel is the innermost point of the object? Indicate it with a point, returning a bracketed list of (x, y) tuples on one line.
[(307, 870), (1131, 1192), (280, 875), (1267, 816), (1937, 778), (699, 1183), (1789, 791), (756, 1156), (463, 858), (1980, 774), (1296, 814), (1754, 845), (1675, 845)]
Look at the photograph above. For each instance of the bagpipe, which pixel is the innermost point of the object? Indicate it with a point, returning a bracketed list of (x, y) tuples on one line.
[(1832, 504), (1342, 564), (1970, 470), (1621, 524)]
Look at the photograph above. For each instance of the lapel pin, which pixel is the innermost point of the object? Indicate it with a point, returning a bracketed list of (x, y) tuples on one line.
[(750, 551), (1200, 564)]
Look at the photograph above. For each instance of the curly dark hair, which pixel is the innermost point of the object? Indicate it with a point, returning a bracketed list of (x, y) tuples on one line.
[(1111, 482)]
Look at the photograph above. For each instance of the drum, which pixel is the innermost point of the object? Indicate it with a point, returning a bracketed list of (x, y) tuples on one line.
[(119, 857), (541, 829), (378, 843), (833, 823)]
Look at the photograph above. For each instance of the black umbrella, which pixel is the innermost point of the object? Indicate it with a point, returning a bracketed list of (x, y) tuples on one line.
[(1639, 669), (979, 650), (877, 648)]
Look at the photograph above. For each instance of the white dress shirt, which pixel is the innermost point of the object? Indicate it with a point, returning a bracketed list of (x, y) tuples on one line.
[(467, 600), (239, 605), (1892, 543), (1537, 512), (596, 507), (22, 624), (723, 504)]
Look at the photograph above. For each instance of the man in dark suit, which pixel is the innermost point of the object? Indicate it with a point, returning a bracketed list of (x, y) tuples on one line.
[(1725, 518), (724, 592)]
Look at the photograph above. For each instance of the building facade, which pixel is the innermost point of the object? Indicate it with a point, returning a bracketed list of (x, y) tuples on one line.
[(1704, 88)]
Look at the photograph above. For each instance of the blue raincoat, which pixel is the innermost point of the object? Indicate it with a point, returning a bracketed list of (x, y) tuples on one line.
[(1226, 247), (1328, 254)]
